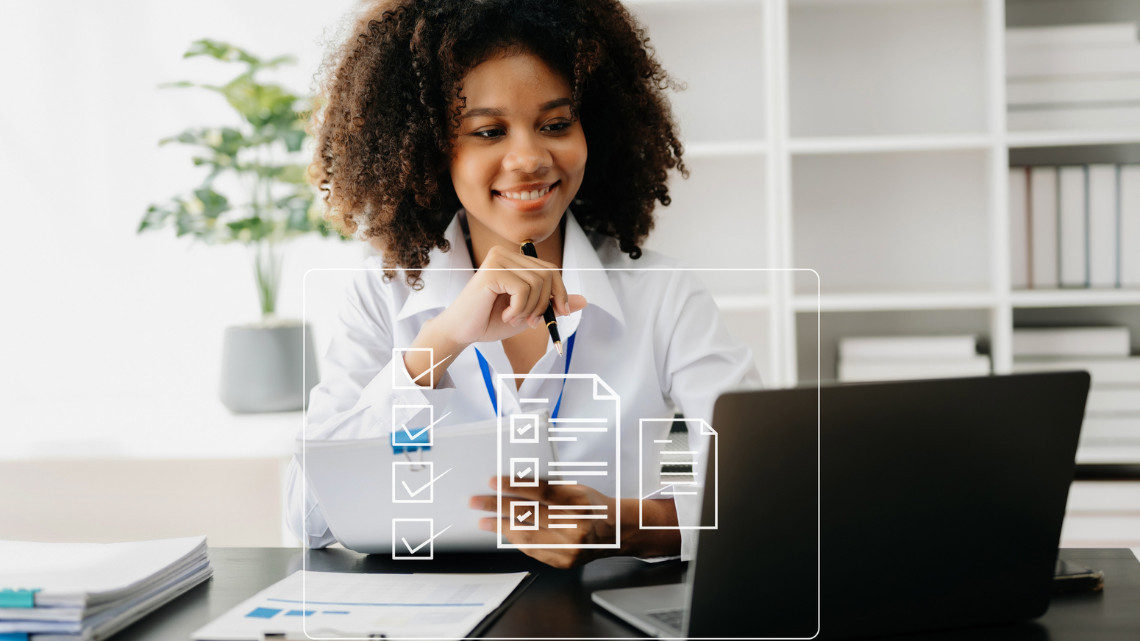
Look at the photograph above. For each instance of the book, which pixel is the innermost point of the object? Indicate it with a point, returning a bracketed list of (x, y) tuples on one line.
[(1072, 238), (1071, 34), (853, 370), (1102, 231), (1019, 256), (1087, 60), (1075, 117), (89, 591), (908, 347), (1129, 221), (1104, 371), (1072, 92), (1071, 341), (1070, 577), (1043, 227), (1122, 427), (1113, 400)]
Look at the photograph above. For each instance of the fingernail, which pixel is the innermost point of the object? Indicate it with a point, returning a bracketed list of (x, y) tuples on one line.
[(486, 525)]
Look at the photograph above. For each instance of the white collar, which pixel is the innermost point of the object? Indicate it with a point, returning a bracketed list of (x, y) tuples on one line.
[(447, 274)]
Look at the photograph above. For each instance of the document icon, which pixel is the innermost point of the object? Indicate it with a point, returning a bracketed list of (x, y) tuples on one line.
[(584, 448), (671, 465)]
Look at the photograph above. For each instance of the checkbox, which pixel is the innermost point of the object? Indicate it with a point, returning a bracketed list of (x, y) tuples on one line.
[(522, 512), (412, 425), (400, 377), (524, 428), (414, 482), (524, 472), (414, 539)]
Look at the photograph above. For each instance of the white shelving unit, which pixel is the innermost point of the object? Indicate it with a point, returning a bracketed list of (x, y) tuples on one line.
[(865, 140)]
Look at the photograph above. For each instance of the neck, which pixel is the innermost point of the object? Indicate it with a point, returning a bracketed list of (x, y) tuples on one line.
[(482, 239)]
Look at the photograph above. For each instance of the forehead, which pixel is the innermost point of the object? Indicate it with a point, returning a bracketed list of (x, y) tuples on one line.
[(516, 80)]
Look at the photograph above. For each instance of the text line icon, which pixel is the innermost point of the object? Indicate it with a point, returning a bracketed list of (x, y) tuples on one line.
[(414, 539)]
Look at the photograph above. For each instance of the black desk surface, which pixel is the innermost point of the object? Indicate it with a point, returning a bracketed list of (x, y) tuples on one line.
[(557, 603)]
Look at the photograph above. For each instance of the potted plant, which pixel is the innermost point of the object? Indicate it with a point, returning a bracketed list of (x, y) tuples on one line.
[(254, 192)]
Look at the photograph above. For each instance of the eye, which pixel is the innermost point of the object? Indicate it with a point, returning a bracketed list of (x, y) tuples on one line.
[(489, 133), (556, 127)]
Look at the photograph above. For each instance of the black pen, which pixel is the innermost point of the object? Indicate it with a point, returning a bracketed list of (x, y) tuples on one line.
[(548, 315)]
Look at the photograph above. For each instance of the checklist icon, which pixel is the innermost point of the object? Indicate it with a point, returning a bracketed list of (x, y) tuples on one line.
[(412, 425), (524, 515), (414, 539), (524, 472), (414, 482), (524, 428), (400, 377)]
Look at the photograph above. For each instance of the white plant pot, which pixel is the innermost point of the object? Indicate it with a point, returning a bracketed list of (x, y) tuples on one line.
[(268, 367)]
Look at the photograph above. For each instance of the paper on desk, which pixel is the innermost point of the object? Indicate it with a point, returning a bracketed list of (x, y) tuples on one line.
[(336, 605)]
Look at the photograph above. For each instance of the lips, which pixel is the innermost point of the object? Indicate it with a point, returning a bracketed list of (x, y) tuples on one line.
[(528, 197)]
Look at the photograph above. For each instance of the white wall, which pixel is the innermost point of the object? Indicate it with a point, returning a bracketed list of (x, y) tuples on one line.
[(106, 332)]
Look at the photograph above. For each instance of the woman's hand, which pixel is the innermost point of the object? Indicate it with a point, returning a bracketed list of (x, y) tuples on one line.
[(595, 526), (506, 296)]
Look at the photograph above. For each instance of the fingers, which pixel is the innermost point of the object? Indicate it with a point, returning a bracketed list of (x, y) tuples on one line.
[(530, 283)]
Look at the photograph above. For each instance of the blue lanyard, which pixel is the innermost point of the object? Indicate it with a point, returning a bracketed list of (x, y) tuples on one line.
[(485, 367)]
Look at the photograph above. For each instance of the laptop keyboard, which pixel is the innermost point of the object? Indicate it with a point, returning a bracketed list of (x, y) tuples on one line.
[(671, 618)]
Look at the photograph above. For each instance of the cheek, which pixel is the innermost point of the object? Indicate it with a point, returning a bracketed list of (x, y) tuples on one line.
[(471, 171)]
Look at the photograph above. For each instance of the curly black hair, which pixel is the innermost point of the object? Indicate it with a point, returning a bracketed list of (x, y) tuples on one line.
[(391, 98)]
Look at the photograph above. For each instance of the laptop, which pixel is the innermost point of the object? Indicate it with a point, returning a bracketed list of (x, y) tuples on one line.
[(927, 505)]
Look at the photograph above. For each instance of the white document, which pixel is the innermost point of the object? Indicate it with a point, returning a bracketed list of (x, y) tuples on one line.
[(680, 468), (586, 449), (83, 575), (1043, 226), (336, 605), (1130, 226), (1073, 207), (1018, 228), (1102, 226)]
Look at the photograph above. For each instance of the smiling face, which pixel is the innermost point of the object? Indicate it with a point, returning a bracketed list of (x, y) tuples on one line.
[(518, 156)]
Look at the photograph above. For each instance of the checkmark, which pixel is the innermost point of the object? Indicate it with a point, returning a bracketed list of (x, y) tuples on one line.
[(523, 473), (520, 518), (430, 369), (413, 550), (424, 486), (523, 429), (413, 436)]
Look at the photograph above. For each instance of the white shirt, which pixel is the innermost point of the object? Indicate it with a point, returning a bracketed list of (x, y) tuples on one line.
[(650, 331)]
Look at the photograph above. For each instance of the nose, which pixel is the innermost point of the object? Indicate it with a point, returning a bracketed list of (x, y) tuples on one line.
[(527, 155)]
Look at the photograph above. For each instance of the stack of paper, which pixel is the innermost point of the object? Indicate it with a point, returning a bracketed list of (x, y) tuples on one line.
[(882, 358), (1111, 431), (1073, 76), (89, 591)]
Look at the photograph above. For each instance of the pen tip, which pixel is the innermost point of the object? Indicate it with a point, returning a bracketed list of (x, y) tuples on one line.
[(558, 346)]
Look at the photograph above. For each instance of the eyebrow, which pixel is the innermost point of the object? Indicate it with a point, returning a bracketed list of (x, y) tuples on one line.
[(493, 111)]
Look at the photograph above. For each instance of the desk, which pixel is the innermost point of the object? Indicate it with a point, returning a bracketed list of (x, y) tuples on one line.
[(557, 603)]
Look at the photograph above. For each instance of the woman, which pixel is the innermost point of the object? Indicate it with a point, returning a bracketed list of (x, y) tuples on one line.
[(453, 132)]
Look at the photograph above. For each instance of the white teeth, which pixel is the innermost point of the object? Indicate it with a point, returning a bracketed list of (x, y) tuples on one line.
[(526, 195)]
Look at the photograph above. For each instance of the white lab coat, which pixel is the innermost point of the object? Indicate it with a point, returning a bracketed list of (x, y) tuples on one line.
[(650, 331)]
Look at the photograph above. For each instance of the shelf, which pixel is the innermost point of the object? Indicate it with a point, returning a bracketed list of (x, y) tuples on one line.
[(725, 149), (1075, 298), (887, 144), (1023, 139), (859, 302)]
